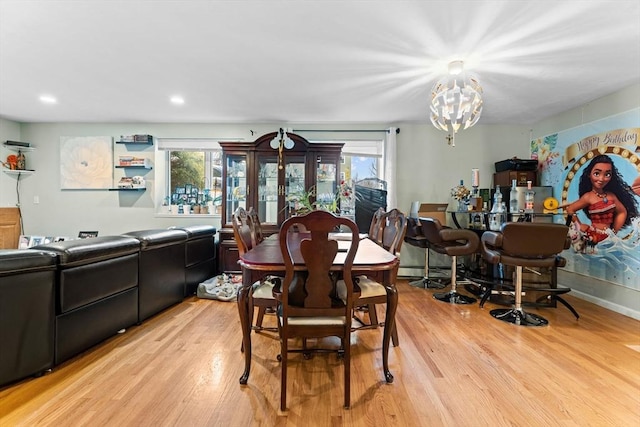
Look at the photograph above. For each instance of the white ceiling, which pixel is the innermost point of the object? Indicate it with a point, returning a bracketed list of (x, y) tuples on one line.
[(300, 61)]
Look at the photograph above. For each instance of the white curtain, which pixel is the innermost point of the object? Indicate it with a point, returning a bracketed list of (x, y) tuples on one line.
[(390, 168)]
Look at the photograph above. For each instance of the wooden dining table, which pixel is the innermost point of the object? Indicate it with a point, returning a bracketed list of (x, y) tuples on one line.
[(266, 259)]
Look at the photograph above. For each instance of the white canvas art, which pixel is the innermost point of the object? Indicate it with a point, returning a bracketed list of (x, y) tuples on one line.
[(86, 162)]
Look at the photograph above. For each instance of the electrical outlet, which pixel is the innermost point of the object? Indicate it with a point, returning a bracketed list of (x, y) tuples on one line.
[(36, 200)]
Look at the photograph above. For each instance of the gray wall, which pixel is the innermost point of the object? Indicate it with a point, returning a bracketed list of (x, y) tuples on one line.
[(429, 169)]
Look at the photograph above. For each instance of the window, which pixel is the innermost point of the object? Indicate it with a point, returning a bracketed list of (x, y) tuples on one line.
[(195, 177), (192, 172)]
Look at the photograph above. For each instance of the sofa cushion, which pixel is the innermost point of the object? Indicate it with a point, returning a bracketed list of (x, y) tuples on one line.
[(86, 251)]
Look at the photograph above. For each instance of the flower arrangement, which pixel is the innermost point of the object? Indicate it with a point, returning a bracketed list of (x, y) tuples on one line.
[(330, 202), (460, 192)]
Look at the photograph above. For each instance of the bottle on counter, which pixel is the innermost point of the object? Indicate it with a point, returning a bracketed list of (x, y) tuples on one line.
[(513, 198), (498, 211), (529, 198)]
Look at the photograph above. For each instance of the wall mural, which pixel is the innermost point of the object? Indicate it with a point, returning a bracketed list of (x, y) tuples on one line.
[(594, 170), (86, 162)]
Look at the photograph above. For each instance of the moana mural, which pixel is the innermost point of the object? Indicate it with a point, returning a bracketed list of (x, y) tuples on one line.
[(594, 170)]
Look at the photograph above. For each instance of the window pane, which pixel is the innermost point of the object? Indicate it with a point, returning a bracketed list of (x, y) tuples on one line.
[(187, 167)]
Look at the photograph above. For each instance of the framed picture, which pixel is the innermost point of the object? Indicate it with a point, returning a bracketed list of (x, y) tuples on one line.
[(187, 188), (87, 234), (181, 190), (86, 162), (194, 191), (193, 200), (35, 241)]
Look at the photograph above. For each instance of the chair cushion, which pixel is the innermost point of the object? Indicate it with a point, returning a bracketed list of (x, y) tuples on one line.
[(263, 289), (320, 321), (368, 288)]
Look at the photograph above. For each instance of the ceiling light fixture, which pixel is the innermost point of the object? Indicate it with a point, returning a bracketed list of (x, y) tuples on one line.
[(177, 100), (48, 99), (280, 141), (456, 101)]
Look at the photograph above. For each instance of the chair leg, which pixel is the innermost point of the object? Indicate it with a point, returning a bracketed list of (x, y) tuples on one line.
[(453, 297), (426, 282), (566, 304), (347, 374), (373, 315), (261, 311), (517, 315), (283, 376)]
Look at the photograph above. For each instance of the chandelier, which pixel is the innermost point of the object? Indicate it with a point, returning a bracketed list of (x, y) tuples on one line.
[(456, 101)]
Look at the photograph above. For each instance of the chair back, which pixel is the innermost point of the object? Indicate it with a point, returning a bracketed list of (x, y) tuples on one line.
[(375, 229), (256, 226), (312, 292), (394, 228), (431, 230), (242, 230), (533, 239)]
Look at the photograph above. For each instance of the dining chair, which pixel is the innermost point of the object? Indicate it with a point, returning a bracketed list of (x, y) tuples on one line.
[(247, 236), (256, 227), (526, 245), (307, 303), (391, 230), (375, 228)]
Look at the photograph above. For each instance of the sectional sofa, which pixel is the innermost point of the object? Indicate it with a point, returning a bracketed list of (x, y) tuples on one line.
[(59, 299)]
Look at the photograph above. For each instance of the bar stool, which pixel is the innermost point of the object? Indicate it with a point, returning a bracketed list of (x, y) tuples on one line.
[(526, 244), (452, 242)]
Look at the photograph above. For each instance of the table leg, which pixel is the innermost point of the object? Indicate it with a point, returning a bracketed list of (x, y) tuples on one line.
[(243, 310), (389, 324)]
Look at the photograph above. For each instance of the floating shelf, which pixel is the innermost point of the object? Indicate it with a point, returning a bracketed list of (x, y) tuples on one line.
[(18, 147), (135, 142), (18, 172), (135, 167), (127, 189)]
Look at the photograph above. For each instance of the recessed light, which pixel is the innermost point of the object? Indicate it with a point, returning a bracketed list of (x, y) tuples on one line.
[(178, 100), (48, 99)]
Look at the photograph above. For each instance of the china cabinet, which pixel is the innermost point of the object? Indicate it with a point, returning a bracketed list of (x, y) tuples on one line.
[(274, 181)]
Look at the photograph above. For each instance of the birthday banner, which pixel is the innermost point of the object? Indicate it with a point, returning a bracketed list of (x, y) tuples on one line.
[(594, 170)]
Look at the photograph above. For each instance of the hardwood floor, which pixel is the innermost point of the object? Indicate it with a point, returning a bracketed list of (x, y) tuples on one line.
[(455, 366)]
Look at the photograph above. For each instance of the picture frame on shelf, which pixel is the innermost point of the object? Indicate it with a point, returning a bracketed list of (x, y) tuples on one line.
[(181, 190), (87, 234)]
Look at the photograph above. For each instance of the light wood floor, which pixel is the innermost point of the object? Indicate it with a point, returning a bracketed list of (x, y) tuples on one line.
[(455, 366)]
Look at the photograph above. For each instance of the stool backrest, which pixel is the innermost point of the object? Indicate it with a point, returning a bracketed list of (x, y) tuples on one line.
[(533, 239)]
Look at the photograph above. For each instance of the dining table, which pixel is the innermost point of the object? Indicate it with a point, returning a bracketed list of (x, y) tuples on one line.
[(265, 259)]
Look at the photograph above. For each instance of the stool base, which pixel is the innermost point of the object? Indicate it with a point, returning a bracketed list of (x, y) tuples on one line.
[(518, 317), (427, 283), (454, 298)]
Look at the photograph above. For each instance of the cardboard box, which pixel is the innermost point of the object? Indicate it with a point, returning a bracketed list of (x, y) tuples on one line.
[(434, 210)]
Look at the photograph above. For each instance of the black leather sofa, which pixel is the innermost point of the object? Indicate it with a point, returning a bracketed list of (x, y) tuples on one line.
[(200, 256), (161, 271), (96, 293), (59, 299), (27, 313)]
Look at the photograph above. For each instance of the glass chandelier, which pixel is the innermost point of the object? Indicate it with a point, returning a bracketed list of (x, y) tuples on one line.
[(456, 101)]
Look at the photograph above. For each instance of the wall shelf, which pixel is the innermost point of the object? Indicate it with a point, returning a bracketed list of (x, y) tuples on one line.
[(135, 167), (18, 172), (18, 147), (135, 142), (128, 189)]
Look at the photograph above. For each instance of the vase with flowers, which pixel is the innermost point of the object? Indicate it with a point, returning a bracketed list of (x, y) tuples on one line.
[(461, 194)]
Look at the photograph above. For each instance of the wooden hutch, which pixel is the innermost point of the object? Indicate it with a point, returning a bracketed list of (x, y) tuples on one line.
[(268, 174)]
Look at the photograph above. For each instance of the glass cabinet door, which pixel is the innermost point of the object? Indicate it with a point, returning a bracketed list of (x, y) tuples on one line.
[(294, 184), (268, 189), (236, 184), (326, 185)]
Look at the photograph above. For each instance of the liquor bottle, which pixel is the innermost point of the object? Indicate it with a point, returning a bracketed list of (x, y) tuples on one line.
[(528, 198), (497, 211), (513, 198)]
